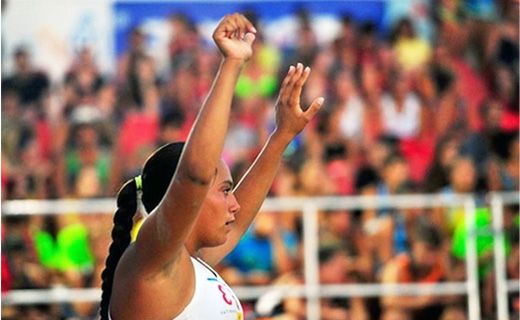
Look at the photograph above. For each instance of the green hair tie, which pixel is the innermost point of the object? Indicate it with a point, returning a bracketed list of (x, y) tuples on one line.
[(139, 182)]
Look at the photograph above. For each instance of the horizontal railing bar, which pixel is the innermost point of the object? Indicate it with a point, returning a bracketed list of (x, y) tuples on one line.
[(58, 295), (107, 205)]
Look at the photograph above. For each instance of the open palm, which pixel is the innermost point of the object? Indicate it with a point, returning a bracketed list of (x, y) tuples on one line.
[(291, 118)]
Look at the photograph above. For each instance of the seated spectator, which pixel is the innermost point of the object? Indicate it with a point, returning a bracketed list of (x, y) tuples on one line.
[(368, 44), (258, 79), (183, 42), (136, 140), (170, 128), (336, 268), (14, 127), (412, 52), (446, 151), (375, 158), (421, 265), (87, 164), (62, 245), (136, 76), (491, 141), (265, 252), (462, 180), (340, 168), (30, 176), (401, 109), (306, 46), (30, 85), (314, 180), (503, 174), (505, 92), (83, 79), (349, 107), (22, 260), (390, 225), (341, 230)]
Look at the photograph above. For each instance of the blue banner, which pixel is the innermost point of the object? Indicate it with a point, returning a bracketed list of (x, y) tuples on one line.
[(131, 14)]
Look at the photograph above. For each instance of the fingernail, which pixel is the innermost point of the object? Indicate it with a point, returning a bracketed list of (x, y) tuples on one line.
[(300, 66), (291, 68), (253, 29), (307, 69), (320, 100)]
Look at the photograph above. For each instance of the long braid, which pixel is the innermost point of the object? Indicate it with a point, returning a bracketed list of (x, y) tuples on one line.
[(156, 177), (123, 221)]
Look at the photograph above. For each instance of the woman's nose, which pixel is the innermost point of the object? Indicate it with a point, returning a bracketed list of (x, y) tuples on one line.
[(234, 206)]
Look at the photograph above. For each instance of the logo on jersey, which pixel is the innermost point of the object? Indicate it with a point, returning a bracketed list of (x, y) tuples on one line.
[(225, 294)]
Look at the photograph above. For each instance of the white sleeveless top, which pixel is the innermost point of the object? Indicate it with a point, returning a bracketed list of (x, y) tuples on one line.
[(212, 299)]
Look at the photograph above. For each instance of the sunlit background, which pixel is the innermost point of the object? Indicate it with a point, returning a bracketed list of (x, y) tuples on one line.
[(421, 98)]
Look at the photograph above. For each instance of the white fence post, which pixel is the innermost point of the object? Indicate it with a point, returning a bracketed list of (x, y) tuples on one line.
[(311, 260), (472, 260), (497, 211)]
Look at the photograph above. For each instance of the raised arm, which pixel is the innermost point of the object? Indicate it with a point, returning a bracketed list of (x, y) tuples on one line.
[(164, 233), (252, 189)]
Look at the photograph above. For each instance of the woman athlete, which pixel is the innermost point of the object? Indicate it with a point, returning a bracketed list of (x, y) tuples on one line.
[(197, 216)]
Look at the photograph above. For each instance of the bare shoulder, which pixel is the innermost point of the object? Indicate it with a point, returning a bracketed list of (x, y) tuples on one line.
[(138, 295)]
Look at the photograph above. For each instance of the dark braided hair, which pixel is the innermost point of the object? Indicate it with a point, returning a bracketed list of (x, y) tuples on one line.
[(156, 177)]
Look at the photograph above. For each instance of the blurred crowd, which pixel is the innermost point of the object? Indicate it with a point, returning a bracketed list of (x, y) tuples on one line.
[(403, 114)]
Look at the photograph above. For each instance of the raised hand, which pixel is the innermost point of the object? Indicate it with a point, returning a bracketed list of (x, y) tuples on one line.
[(290, 117), (234, 37)]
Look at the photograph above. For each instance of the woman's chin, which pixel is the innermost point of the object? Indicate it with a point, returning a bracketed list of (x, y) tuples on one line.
[(218, 241)]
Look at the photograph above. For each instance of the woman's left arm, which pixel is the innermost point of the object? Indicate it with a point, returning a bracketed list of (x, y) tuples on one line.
[(253, 187)]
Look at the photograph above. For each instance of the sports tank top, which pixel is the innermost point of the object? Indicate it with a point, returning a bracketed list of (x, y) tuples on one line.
[(212, 299)]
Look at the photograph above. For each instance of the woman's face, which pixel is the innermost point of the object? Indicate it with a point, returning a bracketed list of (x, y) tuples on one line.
[(219, 210)]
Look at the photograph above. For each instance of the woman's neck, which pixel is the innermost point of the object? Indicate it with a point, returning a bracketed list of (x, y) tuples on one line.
[(193, 246)]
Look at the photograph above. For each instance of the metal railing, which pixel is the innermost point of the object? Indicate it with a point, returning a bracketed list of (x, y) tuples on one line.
[(312, 290)]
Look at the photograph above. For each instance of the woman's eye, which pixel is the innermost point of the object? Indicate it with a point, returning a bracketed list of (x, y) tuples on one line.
[(227, 191)]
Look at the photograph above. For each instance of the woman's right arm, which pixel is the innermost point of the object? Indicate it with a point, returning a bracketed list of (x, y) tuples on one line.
[(163, 234)]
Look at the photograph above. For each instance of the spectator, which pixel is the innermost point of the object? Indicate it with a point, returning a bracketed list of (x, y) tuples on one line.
[(340, 168), (401, 109), (306, 46), (30, 85), (341, 230), (505, 93), (368, 44), (184, 41), (412, 52), (83, 79), (87, 164), (258, 80), (30, 176), (503, 174), (491, 141), (393, 223), (136, 72), (335, 268), (421, 265), (462, 180), (14, 127), (265, 252), (349, 108), (446, 151)]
